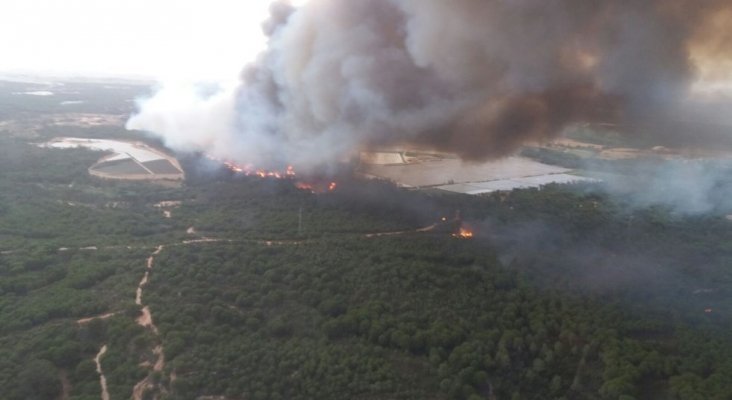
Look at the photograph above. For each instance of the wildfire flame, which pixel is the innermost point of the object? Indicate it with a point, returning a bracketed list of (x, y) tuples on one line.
[(288, 173), (317, 187), (464, 233), (248, 170)]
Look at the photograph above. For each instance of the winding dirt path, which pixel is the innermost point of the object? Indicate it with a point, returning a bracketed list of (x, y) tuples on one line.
[(102, 378), (146, 277), (90, 319), (146, 321)]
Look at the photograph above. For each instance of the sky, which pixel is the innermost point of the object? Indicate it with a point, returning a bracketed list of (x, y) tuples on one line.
[(159, 39), (165, 40)]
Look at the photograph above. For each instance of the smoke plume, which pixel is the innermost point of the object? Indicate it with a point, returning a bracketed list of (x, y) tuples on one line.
[(473, 77), (683, 187)]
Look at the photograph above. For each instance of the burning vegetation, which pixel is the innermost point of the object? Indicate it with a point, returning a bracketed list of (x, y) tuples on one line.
[(313, 186), (317, 186), (463, 233), (250, 170)]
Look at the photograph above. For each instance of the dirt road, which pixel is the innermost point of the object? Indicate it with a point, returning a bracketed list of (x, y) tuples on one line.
[(102, 378), (146, 321)]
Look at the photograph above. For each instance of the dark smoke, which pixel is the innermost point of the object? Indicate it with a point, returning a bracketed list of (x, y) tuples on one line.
[(473, 77)]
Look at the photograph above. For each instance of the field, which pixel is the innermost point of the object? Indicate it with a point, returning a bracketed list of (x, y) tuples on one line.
[(453, 175)]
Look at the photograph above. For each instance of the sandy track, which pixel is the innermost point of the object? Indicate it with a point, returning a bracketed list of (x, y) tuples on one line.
[(102, 378), (146, 321), (90, 319)]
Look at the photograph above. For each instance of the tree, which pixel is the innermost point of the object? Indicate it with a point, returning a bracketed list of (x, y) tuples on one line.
[(39, 380)]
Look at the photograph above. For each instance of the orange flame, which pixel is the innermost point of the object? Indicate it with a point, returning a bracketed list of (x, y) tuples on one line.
[(316, 187), (249, 169), (464, 233), (288, 173)]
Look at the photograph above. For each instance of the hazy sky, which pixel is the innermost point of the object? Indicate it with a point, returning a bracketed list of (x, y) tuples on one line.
[(159, 38)]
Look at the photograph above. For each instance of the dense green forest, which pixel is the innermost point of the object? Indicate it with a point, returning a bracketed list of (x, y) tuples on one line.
[(279, 293), (409, 318)]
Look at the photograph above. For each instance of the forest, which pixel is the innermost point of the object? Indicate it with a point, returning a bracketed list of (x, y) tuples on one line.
[(261, 290)]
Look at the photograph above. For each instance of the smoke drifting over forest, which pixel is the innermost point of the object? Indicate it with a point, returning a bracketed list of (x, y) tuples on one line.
[(477, 78)]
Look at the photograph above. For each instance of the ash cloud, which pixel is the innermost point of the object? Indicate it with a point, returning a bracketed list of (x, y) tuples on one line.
[(477, 78)]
